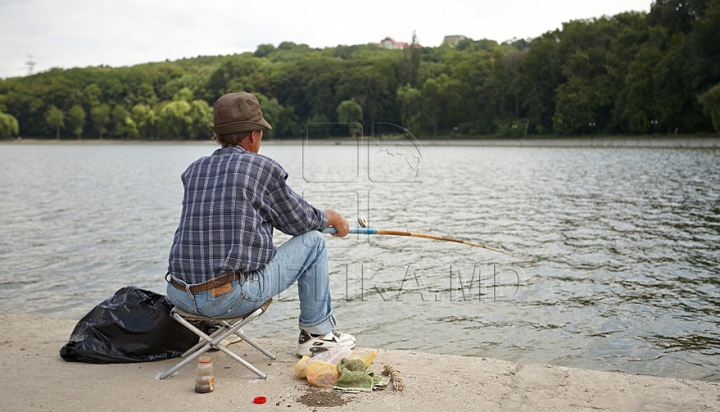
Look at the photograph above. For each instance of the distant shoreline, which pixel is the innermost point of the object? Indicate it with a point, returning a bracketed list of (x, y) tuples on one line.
[(625, 141)]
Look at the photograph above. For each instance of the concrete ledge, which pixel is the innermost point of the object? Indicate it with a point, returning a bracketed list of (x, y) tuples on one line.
[(34, 378)]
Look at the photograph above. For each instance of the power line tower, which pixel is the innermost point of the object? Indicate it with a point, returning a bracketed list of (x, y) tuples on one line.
[(30, 64)]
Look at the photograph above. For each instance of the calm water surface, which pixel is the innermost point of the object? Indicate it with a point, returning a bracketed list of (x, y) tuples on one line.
[(625, 245)]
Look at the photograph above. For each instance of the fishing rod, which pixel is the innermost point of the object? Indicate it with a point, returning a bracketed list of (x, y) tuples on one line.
[(363, 230)]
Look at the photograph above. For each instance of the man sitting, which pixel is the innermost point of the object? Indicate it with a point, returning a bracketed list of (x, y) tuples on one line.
[(222, 262)]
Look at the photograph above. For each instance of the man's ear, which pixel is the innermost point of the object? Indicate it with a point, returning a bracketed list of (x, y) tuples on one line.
[(255, 135)]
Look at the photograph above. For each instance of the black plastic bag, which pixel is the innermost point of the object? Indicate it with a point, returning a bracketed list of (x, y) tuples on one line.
[(134, 325)]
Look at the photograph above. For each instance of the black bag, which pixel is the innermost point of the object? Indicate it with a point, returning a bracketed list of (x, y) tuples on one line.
[(134, 325)]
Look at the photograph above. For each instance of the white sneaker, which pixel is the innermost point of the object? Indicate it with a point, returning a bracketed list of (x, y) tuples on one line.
[(309, 345)]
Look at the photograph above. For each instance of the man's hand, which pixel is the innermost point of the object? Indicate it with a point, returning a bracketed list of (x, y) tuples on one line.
[(338, 222)]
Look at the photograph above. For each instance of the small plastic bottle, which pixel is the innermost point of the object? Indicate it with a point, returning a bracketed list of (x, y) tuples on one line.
[(204, 380)]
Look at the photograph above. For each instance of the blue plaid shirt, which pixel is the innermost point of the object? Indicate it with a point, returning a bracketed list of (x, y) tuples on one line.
[(233, 200)]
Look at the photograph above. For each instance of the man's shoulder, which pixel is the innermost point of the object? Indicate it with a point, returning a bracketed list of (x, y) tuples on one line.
[(254, 160), (265, 162), (264, 159)]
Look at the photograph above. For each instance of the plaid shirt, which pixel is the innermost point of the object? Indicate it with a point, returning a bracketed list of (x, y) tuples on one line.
[(233, 200)]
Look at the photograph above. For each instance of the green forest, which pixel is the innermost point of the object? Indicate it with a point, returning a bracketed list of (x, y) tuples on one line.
[(633, 73)]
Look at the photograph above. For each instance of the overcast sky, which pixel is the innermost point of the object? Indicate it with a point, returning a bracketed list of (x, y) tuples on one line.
[(81, 33)]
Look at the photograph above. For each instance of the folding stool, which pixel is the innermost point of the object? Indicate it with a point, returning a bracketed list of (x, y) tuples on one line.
[(226, 327)]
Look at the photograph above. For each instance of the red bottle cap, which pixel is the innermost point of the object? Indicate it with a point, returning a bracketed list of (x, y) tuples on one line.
[(259, 400)]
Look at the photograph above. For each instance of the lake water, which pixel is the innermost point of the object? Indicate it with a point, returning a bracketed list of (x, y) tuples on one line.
[(624, 244)]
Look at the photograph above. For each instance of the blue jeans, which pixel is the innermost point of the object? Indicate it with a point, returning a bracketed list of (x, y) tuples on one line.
[(302, 259)]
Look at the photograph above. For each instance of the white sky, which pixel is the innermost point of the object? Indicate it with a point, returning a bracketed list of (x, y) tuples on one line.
[(81, 33)]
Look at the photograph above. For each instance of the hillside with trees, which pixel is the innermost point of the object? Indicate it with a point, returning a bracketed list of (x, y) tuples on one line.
[(632, 73)]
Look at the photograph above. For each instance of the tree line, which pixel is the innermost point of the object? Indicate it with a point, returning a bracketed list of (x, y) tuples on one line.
[(632, 73)]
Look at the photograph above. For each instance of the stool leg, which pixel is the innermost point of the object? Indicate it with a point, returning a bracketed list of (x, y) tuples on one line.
[(232, 354)]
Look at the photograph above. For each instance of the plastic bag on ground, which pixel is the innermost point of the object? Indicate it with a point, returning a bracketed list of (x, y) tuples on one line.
[(134, 325), (301, 367), (333, 355), (322, 374), (322, 371)]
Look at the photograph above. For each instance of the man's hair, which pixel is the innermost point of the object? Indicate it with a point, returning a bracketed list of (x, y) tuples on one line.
[(232, 139)]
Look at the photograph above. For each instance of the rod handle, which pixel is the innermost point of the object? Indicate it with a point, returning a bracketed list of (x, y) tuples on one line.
[(353, 230)]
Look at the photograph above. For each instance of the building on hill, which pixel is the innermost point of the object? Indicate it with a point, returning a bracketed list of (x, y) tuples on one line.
[(453, 39), (390, 43)]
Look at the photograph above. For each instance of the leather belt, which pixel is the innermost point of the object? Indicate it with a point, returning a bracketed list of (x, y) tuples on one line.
[(213, 283)]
